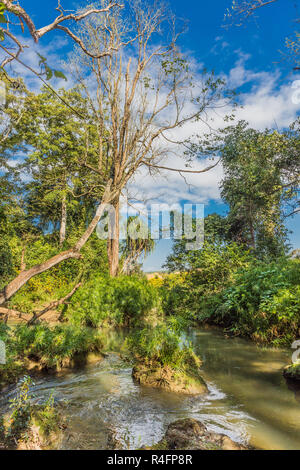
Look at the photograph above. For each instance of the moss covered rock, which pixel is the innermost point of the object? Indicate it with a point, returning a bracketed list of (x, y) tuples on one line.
[(190, 434), (154, 375)]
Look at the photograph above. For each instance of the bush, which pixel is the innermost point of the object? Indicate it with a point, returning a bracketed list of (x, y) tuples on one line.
[(13, 367), (115, 301), (55, 283), (162, 345)]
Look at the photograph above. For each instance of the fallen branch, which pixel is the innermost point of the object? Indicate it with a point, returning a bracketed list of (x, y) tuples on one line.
[(53, 305), (7, 312)]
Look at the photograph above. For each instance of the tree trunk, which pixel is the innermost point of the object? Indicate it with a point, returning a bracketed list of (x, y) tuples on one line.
[(74, 252), (113, 243), (23, 264), (252, 230), (63, 222)]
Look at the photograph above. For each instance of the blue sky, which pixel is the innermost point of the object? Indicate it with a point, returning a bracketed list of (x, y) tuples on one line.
[(248, 57)]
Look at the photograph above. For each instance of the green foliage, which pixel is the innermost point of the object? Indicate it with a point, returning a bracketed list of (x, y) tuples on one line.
[(47, 417), (21, 407), (55, 283), (180, 259), (3, 20), (6, 260), (211, 269), (48, 71), (263, 303), (51, 347), (24, 414), (13, 368), (253, 187), (162, 345), (116, 301)]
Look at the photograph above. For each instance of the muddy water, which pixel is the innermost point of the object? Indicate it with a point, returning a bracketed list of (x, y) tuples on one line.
[(248, 398)]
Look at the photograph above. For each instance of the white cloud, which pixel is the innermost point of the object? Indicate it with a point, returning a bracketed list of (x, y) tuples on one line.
[(267, 103)]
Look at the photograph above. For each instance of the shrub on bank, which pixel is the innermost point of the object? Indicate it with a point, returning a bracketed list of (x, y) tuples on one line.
[(51, 347)]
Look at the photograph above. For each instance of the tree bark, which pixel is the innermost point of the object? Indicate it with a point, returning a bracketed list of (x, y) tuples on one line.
[(113, 243), (74, 253), (23, 264), (63, 222)]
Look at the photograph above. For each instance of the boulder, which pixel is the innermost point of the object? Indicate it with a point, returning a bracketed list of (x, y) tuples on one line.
[(190, 434), (169, 379)]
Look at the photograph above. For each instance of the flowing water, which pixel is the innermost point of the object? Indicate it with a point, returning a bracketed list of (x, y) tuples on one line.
[(248, 398)]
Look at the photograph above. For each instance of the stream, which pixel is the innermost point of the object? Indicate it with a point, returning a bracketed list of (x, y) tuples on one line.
[(248, 397)]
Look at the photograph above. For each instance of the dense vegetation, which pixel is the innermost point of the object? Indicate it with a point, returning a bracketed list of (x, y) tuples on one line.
[(243, 278), (259, 300)]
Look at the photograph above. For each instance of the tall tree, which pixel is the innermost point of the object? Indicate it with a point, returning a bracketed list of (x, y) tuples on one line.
[(59, 185), (135, 246), (254, 187), (145, 93)]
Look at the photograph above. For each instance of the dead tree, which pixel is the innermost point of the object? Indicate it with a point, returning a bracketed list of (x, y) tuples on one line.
[(145, 94)]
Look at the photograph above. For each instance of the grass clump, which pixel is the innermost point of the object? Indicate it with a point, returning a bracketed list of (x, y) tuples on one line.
[(47, 347), (163, 359)]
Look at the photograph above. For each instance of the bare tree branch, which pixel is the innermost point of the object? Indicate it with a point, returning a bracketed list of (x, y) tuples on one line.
[(182, 171)]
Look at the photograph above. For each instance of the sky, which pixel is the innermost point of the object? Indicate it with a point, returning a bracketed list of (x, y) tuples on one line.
[(248, 58)]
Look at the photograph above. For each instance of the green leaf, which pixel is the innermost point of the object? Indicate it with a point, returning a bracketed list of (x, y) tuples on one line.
[(49, 73), (43, 59), (59, 74), (2, 18), (1, 36)]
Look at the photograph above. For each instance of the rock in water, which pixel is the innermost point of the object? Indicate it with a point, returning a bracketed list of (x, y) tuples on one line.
[(169, 379), (190, 434)]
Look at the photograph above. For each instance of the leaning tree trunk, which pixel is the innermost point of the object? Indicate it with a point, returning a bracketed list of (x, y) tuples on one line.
[(113, 243), (63, 221), (73, 252)]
